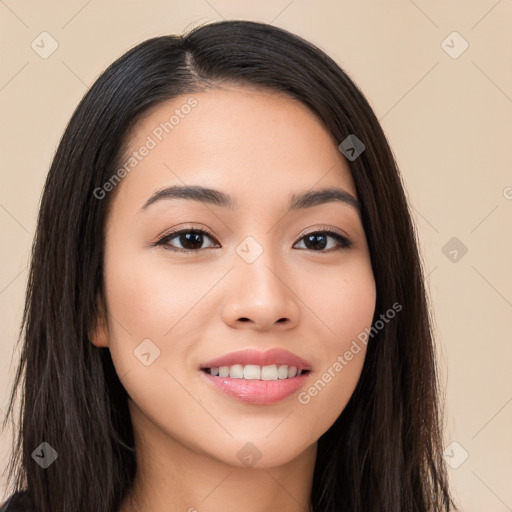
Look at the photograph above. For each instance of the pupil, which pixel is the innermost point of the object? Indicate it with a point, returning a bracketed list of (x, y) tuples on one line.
[(188, 242), (322, 244)]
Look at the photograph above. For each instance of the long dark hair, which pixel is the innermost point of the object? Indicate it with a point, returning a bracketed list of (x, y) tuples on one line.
[(384, 451)]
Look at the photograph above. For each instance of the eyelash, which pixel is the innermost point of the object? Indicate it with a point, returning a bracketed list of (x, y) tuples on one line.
[(343, 241)]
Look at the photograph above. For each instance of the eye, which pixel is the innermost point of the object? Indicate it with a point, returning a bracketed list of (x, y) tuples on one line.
[(318, 240), (191, 240)]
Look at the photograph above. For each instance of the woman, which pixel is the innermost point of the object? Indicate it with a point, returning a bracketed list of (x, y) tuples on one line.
[(226, 306)]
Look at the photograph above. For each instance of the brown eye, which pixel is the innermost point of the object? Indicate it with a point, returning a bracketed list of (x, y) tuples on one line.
[(190, 240), (318, 241)]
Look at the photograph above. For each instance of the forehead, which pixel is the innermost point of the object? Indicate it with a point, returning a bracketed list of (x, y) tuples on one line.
[(246, 141)]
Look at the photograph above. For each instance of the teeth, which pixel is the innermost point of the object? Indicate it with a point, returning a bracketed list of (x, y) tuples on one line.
[(282, 372), (270, 372), (236, 371), (251, 371), (256, 372)]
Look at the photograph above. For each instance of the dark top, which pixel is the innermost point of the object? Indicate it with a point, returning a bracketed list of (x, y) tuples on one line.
[(17, 502)]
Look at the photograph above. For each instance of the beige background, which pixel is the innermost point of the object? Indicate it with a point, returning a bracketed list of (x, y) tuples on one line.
[(449, 123)]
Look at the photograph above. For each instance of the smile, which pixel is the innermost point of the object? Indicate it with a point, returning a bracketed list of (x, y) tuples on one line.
[(256, 391), (256, 372)]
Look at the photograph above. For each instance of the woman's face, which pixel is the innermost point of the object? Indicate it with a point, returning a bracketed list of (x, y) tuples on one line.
[(253, 278)]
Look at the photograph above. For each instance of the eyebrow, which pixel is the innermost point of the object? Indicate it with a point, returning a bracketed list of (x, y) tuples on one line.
[(306, 199)]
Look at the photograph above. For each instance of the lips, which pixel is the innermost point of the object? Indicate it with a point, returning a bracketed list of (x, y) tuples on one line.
[(275, 356), (256, 392)]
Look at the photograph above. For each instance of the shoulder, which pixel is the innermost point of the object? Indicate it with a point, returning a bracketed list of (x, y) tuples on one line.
[(17, 502)]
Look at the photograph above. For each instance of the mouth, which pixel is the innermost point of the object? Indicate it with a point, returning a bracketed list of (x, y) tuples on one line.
[(256, 372), (257, 377), (256, 391), (255, 364)]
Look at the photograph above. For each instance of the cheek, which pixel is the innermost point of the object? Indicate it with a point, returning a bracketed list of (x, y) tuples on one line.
[(343, 305), (341, 300), (151, 298), (153, 310), (353, 308)]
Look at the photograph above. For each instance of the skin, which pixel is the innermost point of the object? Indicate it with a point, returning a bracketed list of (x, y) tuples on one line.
[(259, 147)]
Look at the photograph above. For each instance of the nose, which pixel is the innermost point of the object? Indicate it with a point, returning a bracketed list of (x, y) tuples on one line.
[(260, 295)]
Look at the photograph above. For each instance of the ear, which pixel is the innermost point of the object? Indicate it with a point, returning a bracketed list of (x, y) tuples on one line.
[(98, 334)]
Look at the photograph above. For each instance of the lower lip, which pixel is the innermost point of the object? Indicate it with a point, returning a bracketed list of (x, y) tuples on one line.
[(257, 391)]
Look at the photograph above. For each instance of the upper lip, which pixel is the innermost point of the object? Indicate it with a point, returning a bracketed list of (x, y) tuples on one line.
[(276, 356)]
